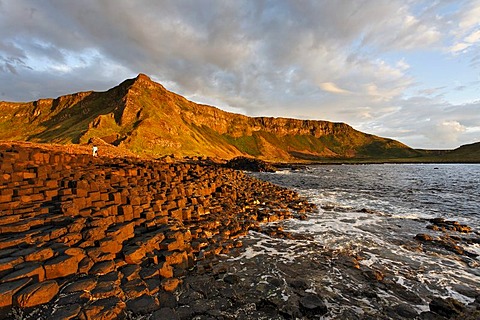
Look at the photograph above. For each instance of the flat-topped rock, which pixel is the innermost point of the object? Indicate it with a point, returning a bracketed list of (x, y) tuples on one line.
[(61, 266), (36, 294), (8, 289)]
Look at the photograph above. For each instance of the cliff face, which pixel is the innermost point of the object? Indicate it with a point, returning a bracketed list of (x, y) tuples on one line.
[(144, 117)]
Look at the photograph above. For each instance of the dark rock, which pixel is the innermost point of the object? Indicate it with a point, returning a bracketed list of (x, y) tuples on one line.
[(167, 299), (185, 312), (428, 315), (143, 305), (109, 308), (231, 279), (166, 314), (448, 307), (300, 284), (311, 304), (466, 291), (66, 312), (403, 310), (249, 164), (73, 298)]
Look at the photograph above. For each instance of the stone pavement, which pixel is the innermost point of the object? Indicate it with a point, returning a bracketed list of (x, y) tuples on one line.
[(101, 237)]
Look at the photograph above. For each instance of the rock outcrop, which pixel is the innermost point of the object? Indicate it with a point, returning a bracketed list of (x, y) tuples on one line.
[(249, 164), (100, 237)]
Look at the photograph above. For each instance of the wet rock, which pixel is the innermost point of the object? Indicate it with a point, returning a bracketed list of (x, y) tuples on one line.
[(403, 310), (466, 291), (165, 313), (66, 312), (249, 164), (448, 307), (444, 225), (311, 305), (299, 284), (423, 237), (231, 278)]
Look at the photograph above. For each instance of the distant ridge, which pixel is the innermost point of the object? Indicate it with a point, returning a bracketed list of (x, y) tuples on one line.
[(142, 116)]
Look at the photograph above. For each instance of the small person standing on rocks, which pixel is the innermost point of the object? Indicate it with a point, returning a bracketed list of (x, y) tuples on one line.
[(95, 151)]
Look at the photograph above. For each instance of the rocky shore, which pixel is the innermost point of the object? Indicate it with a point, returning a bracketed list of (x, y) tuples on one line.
[(85, 237)]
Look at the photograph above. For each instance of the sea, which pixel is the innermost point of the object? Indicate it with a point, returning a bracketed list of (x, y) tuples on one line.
[(374, 212)]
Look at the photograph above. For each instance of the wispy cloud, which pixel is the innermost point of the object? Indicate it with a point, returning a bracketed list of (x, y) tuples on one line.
[(332, 88)]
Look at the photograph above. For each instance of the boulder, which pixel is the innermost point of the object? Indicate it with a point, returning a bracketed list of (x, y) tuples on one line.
[(36, 294), (104, 309), (134, 254), (102, 268), (143, 305), (9, 263), (448, 307), (311, 304), (40, 255), (61, 266), (170, 284), (423, 237), (8, 289), (27, 270), (249, 164), (82, 284)]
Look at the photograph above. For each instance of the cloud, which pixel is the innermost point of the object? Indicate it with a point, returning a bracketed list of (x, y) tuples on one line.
[(336, 60), (447, 131), (332, 88), (467, 31)]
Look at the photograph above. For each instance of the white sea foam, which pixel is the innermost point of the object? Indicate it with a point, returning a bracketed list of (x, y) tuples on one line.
[(283, 172), (375, 212)]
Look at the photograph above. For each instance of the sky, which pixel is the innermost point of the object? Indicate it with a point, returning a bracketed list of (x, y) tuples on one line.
[(407, 70)]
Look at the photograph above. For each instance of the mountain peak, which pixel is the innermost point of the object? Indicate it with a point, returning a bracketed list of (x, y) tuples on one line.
[(144, 81), (143, 77)]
